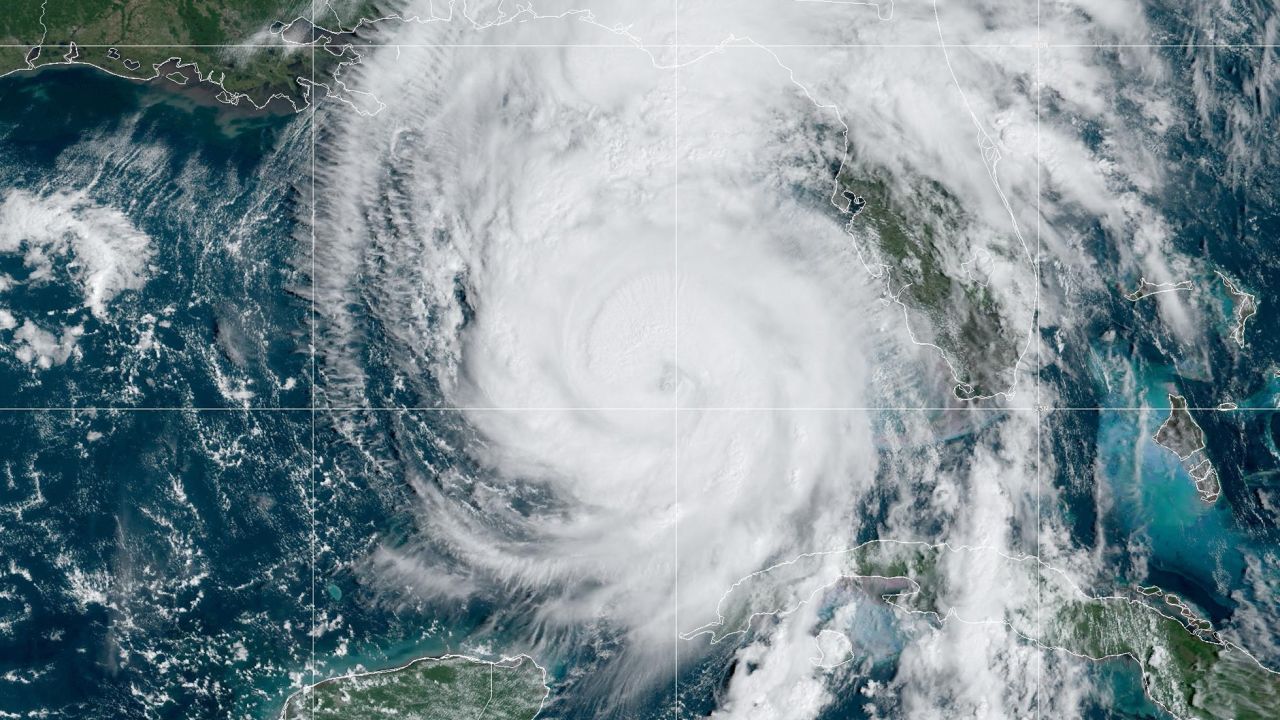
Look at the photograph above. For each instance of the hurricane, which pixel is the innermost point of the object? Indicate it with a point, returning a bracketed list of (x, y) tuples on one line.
[(626, 280)]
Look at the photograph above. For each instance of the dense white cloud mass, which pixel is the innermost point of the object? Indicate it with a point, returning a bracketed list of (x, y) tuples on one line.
[(593, 321), (103, 250), (622, 262), (107, 252)]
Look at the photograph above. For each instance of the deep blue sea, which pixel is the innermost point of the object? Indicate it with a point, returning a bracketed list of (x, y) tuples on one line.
[(156, 563)]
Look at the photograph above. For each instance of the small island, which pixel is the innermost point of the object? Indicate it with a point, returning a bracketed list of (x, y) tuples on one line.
[(1245, 304), (1147, 288), (1206, 479), (1182, 436)]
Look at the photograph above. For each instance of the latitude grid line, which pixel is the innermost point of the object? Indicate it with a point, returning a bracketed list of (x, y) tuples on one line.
[(606, 408), (705, 46)]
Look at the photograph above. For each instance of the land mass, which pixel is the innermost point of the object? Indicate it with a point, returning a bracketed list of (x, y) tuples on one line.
[(258, 52), (1147, 288), (1187, 668), (1245, 304), (1181, 435), (441, 688), (905, 237)]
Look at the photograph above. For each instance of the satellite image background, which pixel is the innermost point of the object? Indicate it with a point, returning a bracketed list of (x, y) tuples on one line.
[(736, 359)]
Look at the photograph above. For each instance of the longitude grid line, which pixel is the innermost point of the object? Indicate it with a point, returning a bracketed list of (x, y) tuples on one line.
[(675, 388), (1035, 379), (312, 96)]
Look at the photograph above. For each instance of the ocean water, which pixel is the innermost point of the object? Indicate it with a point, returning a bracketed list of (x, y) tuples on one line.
[(156, 563), (211, 315)]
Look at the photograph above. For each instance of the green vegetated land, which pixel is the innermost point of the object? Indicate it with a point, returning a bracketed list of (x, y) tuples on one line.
[(188, 42), (445, 688), (912, 231), (1190, 676), (1185, 667)]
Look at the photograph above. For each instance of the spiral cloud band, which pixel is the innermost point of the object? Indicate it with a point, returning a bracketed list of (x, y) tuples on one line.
[(611, 248)]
